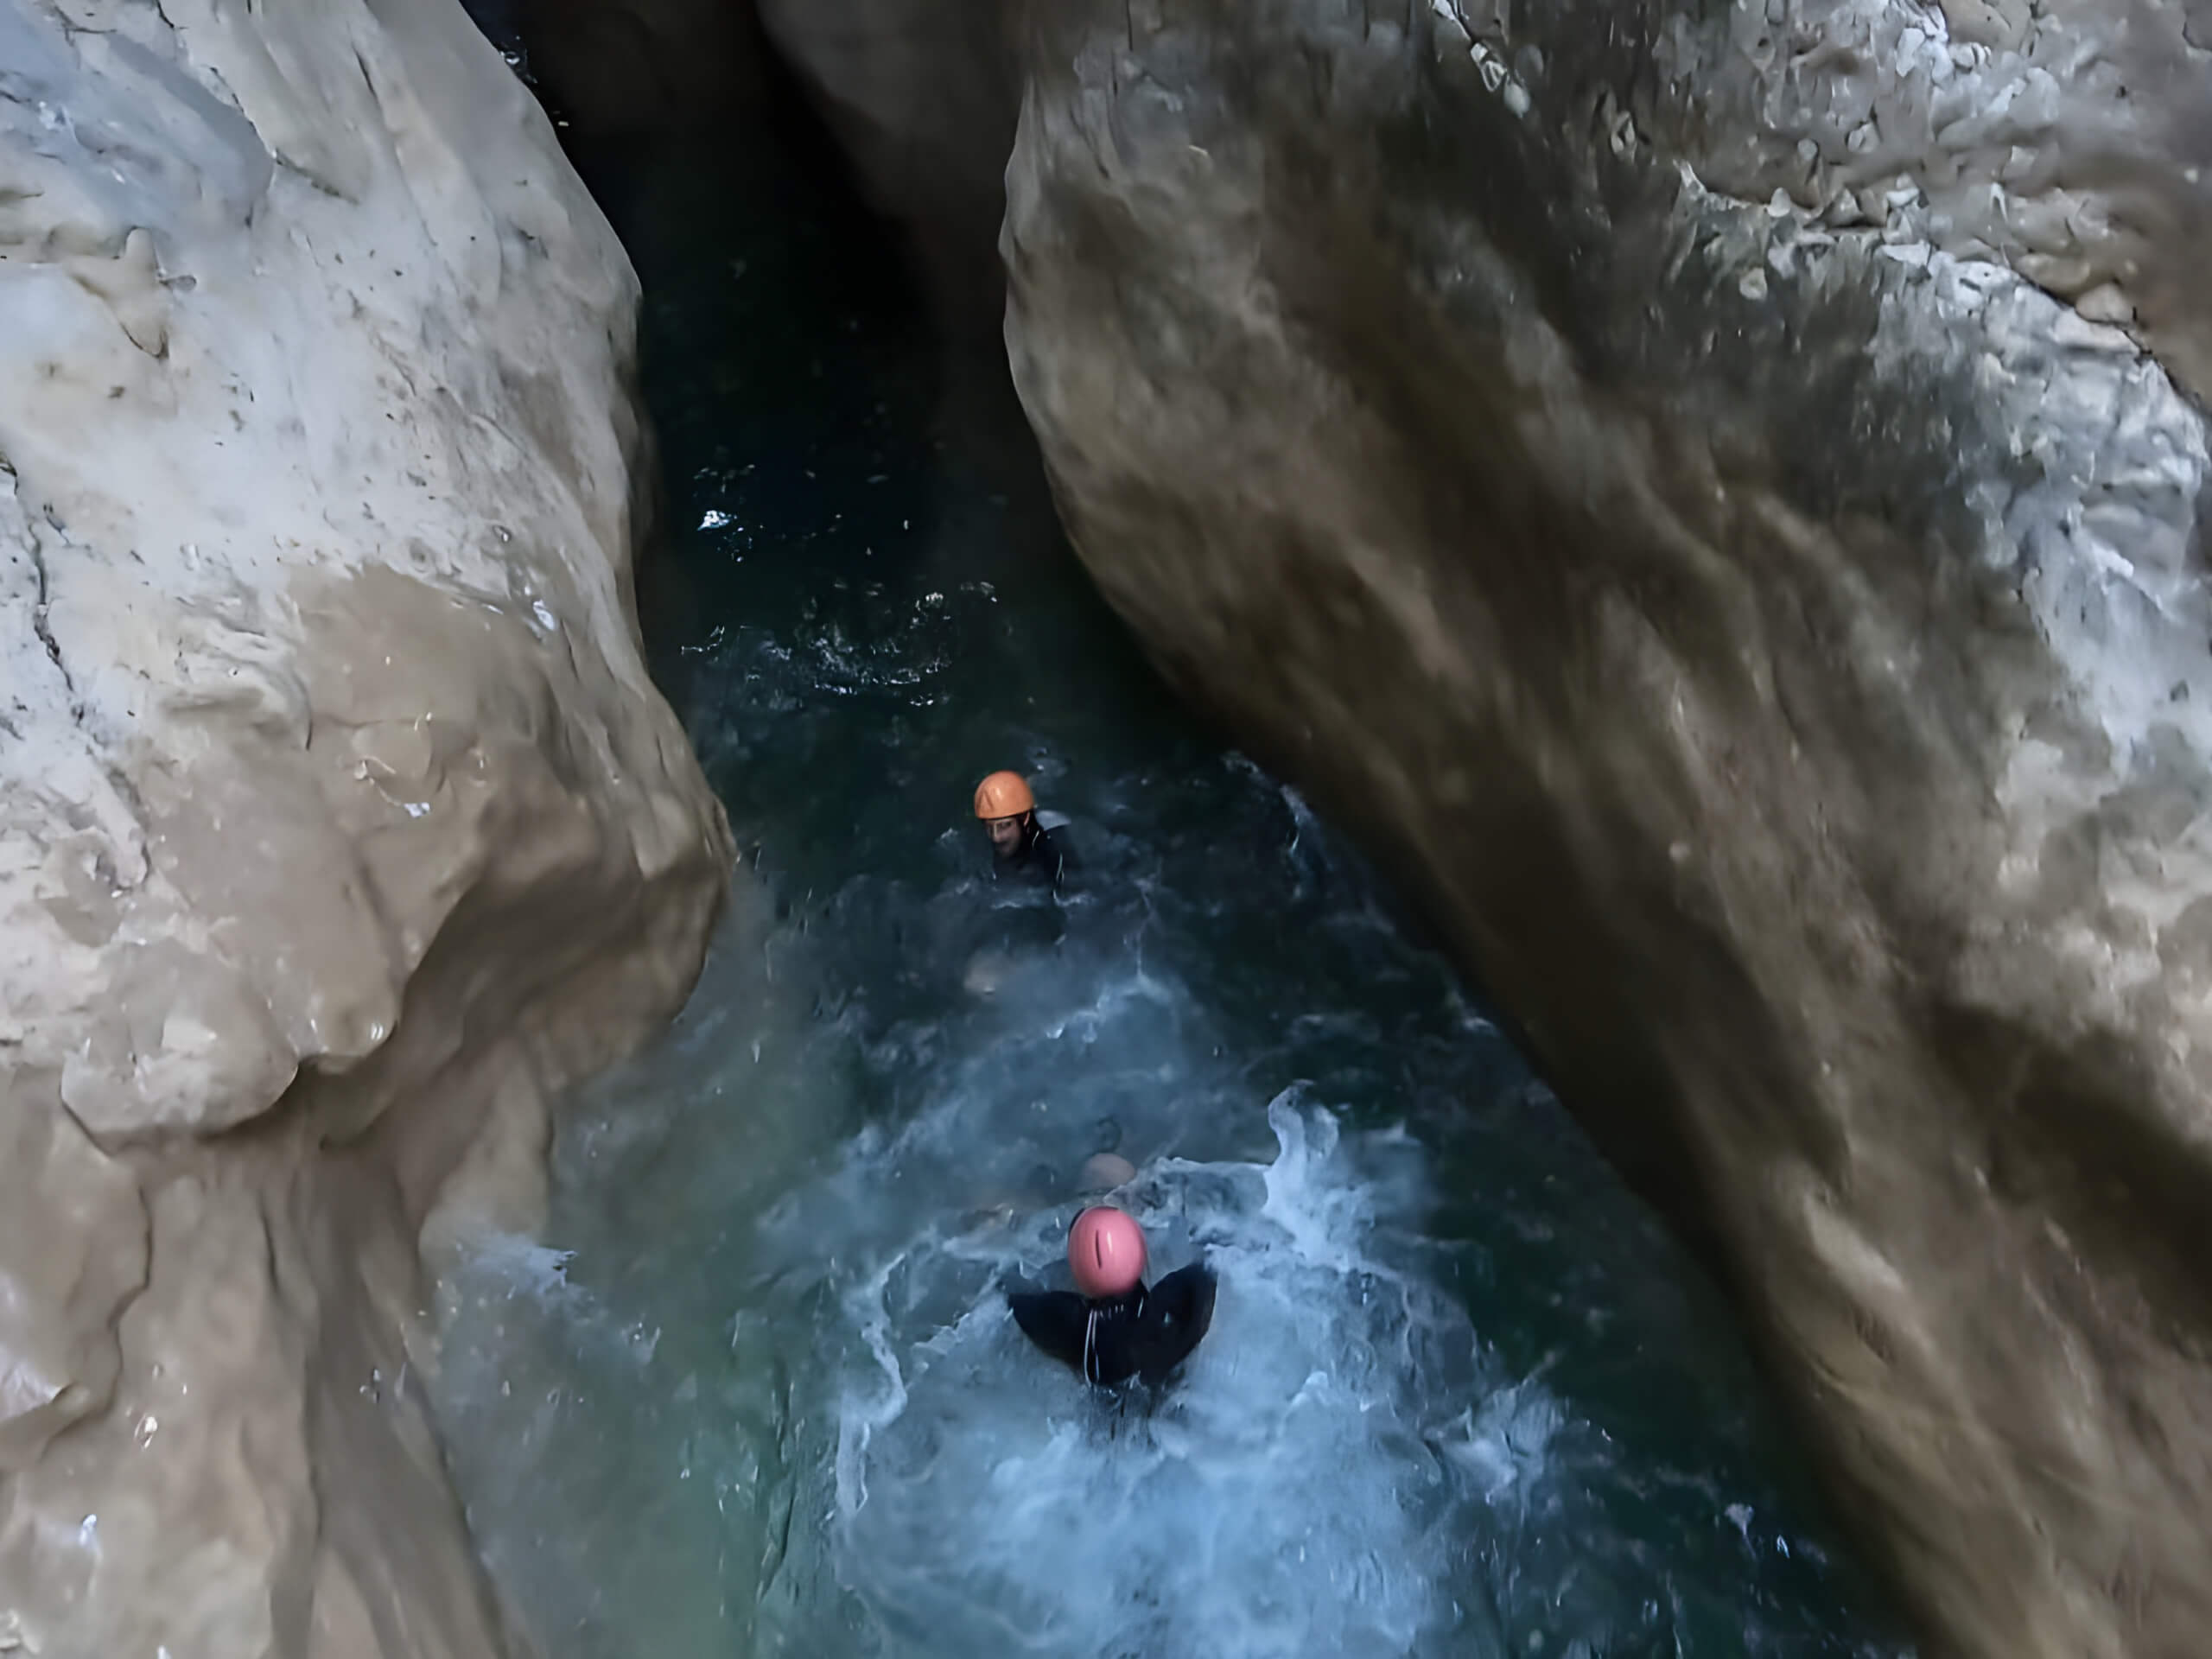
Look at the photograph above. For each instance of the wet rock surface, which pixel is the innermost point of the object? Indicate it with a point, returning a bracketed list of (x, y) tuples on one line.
[(342, 822), (1679, 482)]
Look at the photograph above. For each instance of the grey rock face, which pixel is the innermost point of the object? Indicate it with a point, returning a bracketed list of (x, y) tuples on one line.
[(339, 821), (1717, 495)]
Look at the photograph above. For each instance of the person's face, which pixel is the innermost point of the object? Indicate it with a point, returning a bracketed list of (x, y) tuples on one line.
[(1006, 834)]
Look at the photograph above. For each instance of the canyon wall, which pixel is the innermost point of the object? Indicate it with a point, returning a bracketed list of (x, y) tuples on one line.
[(339, 821)]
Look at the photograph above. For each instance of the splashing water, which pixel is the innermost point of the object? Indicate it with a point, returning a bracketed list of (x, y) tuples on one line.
[(1291, 1495)]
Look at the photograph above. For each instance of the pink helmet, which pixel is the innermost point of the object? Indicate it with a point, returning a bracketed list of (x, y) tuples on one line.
[(1106, 1249)]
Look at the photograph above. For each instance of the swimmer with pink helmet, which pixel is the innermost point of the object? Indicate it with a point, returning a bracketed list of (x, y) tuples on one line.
[(1111, 1328)]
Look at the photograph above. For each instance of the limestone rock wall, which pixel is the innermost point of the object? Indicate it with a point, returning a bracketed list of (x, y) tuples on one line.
[(339, 821), (1718, 497)]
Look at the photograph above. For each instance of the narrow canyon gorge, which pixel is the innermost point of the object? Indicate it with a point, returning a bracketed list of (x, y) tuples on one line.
[(1710, 504)]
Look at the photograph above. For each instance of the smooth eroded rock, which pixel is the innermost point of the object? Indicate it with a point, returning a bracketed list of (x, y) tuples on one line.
[(342, 822), (1717, 498)]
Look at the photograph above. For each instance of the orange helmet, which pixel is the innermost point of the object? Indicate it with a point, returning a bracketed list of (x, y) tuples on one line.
[(1003, 795)]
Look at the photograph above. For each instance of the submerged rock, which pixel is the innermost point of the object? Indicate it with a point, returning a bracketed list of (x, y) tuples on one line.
[(1104, 1171), (342, 822), (1718, 497)]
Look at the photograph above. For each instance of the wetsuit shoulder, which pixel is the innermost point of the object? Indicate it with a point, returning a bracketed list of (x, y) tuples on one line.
[(1054, 1320), (1177, 1313), (1049, 856)]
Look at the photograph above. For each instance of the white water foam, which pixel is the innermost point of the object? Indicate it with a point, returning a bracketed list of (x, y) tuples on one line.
[(1311, 1484)]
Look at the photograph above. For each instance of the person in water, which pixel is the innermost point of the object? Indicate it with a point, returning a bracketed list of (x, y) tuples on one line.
[(1022, 849), (1115, 1328)]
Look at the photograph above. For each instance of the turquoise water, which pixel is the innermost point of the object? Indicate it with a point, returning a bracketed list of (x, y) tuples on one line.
[(755, 1391)]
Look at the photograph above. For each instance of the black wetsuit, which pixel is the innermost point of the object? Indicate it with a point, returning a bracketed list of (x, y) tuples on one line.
[(1037, 858), (1144, 1334)]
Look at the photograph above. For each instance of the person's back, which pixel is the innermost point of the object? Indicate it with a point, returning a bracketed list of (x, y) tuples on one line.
[(1113, 1328)]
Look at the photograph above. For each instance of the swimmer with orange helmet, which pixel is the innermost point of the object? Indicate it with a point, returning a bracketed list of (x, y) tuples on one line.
[(1021, 848), (1116, 1328)]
